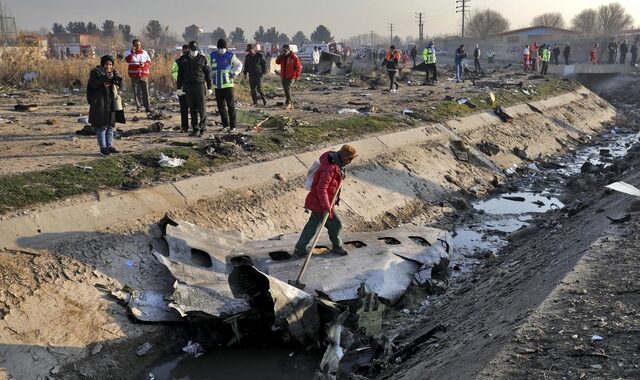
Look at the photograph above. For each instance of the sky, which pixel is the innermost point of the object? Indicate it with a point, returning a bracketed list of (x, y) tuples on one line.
[(345, 18)]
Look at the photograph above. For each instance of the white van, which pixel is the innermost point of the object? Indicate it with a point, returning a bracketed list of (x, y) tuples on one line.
[(306, 51)]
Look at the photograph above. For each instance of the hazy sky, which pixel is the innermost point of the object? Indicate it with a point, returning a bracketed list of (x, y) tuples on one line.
[(344, 18)]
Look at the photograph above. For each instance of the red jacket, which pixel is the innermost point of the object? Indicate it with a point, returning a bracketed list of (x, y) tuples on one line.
[(290, 66), (325, 184), (139, 62)]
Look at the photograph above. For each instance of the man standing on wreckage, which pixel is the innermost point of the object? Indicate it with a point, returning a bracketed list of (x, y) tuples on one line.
[(325, 188)]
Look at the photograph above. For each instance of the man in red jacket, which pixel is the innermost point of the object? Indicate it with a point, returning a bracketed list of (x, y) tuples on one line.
[(326, 182), (139, 62), (290, 70)]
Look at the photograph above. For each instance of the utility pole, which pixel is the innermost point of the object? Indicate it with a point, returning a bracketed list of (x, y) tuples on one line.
[(420, 28), (463, 8), (391, 29), (371, 38)]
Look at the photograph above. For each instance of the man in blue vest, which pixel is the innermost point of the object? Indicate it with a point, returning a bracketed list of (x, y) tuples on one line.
[(224, 67)]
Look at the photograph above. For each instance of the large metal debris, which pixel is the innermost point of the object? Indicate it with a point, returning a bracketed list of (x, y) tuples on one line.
[(221, 275)]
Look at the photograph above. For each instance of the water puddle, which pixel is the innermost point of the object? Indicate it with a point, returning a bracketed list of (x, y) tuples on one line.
[(268, 363), (519, 203)]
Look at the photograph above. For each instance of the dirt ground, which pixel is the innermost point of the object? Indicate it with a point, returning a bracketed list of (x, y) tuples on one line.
[(67, 287), (46, 137)]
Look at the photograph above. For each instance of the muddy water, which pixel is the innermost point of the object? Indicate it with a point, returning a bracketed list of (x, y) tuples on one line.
[(508, 212), (238, 363)]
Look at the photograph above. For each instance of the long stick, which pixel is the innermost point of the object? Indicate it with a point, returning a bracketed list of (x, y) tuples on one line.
[(317, 236)]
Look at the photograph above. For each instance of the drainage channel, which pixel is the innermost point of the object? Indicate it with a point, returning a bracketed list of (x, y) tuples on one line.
[(538, 191)]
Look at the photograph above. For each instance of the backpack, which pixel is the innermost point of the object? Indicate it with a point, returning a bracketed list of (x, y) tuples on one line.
[(311, 173)]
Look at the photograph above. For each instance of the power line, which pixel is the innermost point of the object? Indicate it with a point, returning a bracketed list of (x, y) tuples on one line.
[(462, 9)]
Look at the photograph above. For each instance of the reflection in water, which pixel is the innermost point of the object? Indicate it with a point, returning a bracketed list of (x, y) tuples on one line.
[(236, 363)]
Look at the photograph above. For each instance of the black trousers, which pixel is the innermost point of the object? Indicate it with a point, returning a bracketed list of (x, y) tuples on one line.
[(545, 66), (634, 57), (184, 112), (286, 85), (255, 83), (476, 64), (196, 99), (566, 59), (226, 106), (623, 57), (392, 79), (431, 67)]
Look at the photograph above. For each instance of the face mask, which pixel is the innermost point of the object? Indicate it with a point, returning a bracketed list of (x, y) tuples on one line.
[(222, 51), (193, 53)]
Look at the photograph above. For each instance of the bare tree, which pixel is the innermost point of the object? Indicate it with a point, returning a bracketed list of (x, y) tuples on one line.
[(485, 23), (552, 19), (585, 22), (613, 18)]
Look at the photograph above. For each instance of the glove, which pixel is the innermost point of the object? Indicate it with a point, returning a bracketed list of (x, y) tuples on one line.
[(209, 92), (180, 92), (232, 75)]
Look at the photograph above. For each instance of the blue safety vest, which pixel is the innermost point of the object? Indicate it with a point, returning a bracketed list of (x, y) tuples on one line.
[(221, 69)]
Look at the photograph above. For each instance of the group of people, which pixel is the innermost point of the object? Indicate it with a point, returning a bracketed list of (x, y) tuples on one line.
[(620, 50), (196, 78)]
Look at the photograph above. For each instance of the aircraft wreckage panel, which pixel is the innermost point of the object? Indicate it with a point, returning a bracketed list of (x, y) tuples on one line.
[(385, 261)]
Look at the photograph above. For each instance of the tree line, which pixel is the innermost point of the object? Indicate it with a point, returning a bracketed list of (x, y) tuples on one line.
[(606, 20), (158, 33)]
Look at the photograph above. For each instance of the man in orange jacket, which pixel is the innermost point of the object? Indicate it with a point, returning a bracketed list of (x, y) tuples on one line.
[(290, 70), (391, 63)]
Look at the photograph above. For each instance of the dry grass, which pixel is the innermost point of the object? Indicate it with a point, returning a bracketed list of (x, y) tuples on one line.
[(55, 74)]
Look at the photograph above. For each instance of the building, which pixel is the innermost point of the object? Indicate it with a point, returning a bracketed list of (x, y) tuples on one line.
[(73, 44), (535, 33)]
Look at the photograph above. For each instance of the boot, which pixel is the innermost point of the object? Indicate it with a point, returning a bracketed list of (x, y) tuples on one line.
[(339, 251)]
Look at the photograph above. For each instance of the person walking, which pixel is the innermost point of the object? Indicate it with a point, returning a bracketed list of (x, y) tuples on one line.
[(194, 78), (545, 56), (414, 54), (526, 56), (566, 53), (224, 67), (476, 59), (461, 55), (613, 49), (594, 54), (139, 62), (535, 57), (555, 54), (315, 59), (255, 66), (105, 105), (624, 48), (182, 99), (634, 53), (429, 57), (326, 183), (391, 60), (290, 70)]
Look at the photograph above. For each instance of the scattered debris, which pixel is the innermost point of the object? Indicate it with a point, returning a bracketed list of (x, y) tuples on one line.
[(83, 120), (521, 153), (83, 167), (502, 114), (144, 349), (194, 349), (515, 199), (25, 107), (619, 220), (170, 162), (87, 130), (488, 148), (596, 338), (158, 115), (347, 110), (51, 122), (624, 187), (467, 102), (279, 177)]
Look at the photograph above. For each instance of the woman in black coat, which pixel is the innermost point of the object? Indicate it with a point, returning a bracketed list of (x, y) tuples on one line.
[(105, 106)]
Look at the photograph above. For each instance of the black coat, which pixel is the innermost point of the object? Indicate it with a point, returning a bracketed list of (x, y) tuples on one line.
[(255, 65), (100, 99), (194, 71)]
